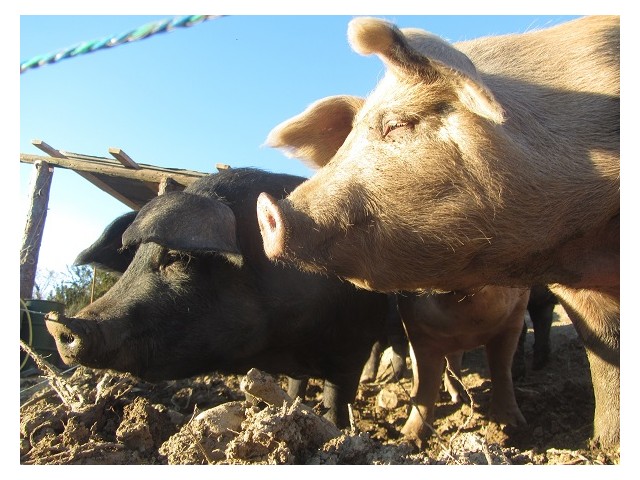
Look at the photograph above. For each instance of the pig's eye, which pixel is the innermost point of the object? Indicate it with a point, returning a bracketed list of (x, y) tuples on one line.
[(391, 125), (171, 258)]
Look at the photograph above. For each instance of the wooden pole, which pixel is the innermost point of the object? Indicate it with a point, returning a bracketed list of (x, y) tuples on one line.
[(168, 184), (34, 227), (93, 284)]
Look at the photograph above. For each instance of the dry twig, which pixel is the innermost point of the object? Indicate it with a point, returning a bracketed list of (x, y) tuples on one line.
[(69, 394), (196, 439), (87, 450), (471, 405)]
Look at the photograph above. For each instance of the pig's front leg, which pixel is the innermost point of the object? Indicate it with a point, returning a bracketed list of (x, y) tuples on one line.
[(500, 351), (427, 376)]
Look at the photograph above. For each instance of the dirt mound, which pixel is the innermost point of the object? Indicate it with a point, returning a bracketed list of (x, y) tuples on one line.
[(98, 417)]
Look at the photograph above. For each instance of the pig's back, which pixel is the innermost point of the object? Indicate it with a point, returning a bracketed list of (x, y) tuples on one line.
[(580, 55)]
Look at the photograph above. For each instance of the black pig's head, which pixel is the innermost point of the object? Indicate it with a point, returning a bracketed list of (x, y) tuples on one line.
[(155, 322)]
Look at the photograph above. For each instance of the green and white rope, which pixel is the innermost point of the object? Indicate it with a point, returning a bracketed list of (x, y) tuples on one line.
[(114, 40)]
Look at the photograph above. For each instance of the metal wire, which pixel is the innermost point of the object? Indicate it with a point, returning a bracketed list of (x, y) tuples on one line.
[(30, 327)]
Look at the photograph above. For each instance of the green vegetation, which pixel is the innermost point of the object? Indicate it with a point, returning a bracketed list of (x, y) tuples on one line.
[(76, 288)]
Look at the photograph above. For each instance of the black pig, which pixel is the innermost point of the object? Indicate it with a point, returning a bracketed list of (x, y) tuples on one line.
[(541, 305), (200, 295)]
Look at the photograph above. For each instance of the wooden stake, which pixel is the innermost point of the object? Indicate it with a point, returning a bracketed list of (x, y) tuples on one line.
[(34, 227), (93, 284)]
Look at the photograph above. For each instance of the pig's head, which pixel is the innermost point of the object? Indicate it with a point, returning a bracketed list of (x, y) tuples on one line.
[(156, 321), (395, 181), (413, 181)]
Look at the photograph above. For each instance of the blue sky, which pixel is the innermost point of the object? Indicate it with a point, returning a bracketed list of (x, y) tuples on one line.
[(189, 98), (195, 96)]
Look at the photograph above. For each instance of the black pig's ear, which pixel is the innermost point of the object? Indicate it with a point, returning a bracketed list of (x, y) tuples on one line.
[(106, 253), (186, 222)]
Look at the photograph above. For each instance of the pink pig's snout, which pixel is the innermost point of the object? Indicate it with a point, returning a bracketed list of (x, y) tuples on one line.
[(272, 226)]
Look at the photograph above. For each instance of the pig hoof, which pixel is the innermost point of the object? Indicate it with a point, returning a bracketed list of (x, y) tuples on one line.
[(540, 358), (514, 419), (415, 444), (414, 441)]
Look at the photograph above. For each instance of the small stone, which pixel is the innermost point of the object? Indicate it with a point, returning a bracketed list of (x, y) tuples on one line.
[(387, 399)]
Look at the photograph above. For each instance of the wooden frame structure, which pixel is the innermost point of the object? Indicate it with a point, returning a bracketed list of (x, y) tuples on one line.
[(132, 183), (121, 177)]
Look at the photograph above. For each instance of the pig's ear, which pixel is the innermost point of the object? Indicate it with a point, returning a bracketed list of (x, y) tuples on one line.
[(315, 135), (414, 52), (106, 253), (186, 222)]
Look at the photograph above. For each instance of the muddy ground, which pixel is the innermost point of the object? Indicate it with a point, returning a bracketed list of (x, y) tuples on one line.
[(108, 418)]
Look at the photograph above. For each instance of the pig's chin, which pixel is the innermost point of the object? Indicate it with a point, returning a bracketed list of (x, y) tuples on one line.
[(327, 255), (116, 360), (332, 261), (127, 364), (327, 259), (361, 283), (375, 285), (158, 363), (370, 283)]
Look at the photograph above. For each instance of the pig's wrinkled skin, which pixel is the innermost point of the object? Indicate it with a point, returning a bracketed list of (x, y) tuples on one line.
[(493, 161), (444, 326), (200, 296)]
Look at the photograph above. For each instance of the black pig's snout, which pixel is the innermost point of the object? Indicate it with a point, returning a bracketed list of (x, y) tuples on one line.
[(68, 339), (57, 329), (272, 226)]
